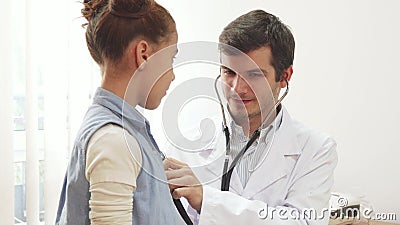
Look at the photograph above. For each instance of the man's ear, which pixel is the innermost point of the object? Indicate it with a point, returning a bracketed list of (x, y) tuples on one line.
[(142, 52), (287, 74)]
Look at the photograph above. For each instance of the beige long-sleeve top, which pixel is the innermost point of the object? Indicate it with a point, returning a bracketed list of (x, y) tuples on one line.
[(113, 162)]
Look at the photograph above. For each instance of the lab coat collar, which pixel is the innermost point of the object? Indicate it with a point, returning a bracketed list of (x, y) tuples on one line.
[(287, 136), (236, 131)]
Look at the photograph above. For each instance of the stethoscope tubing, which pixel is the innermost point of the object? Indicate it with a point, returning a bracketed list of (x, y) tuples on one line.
[(182, 211)]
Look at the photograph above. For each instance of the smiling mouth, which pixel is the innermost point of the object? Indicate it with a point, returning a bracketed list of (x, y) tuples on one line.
[(240, 101)]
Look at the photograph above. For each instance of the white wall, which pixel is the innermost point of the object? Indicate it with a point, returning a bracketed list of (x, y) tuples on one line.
[(345, 80)]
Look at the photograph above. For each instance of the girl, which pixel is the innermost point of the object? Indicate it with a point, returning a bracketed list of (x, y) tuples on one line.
[(115, 173)]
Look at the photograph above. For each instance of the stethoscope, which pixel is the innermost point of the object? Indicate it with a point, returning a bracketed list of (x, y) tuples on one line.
[(227, 170)]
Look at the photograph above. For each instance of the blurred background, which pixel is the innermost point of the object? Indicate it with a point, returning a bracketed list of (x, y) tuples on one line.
[(344, 83)]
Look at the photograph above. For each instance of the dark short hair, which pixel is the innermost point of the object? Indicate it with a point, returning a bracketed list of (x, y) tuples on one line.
[(257, 29), (113, 24)]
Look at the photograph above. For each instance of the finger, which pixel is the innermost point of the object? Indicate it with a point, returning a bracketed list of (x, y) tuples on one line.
[(172, 174), (175, 161), (174, 185), (193, 195), (185, 181), (179, 193), (165, 164), (170, 163)]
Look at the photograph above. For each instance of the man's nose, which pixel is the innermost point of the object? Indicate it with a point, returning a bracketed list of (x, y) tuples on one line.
[(240, 85)]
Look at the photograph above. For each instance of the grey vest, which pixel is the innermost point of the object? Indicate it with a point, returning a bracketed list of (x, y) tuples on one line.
[(152, 202)]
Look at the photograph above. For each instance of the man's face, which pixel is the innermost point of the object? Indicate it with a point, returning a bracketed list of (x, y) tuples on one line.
[(249, 83)]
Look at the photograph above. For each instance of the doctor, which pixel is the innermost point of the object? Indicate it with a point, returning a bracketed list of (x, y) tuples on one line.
[(286, 175)]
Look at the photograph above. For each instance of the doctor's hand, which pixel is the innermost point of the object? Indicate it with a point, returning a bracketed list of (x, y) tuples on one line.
[(183, 183)]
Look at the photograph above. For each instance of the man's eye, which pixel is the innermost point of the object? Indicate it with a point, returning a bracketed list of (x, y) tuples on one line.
[(228, 72), (256, 75)]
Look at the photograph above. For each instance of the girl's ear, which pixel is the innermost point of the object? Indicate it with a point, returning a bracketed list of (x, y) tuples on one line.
[(142, 52)]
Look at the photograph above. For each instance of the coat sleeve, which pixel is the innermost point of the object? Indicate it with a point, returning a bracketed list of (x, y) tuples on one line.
[(308, 193)]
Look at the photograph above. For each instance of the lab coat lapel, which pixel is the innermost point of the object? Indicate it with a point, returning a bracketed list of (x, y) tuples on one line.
[(274, 166)]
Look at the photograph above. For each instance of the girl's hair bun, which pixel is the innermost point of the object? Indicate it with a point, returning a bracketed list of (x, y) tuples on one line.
[(92, 7), (130, 8), (121, 8)]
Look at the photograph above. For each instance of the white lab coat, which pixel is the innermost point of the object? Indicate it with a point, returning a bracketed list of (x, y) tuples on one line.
[(296, 175)]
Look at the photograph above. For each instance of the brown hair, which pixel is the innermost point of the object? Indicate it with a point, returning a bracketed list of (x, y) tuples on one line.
[(257, 29), (113, 24)]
